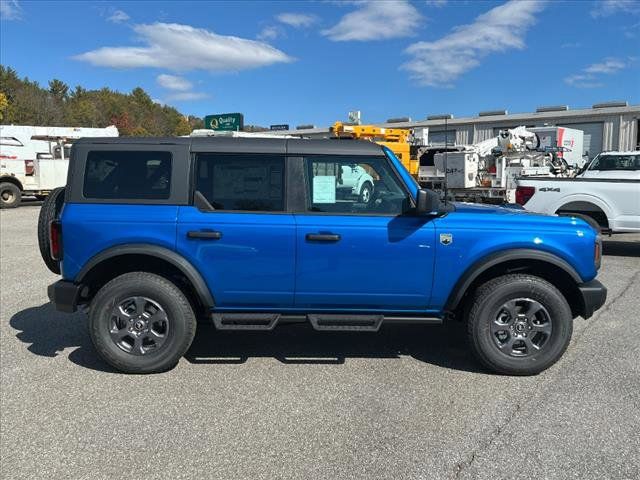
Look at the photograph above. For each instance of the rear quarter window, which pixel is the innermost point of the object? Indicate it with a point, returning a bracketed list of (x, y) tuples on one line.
[(241, 182), (128, 175)]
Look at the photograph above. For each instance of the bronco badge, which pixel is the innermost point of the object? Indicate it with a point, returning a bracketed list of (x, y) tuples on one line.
[(446, 238)]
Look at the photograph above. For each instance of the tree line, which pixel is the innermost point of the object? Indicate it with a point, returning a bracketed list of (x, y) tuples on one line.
[(25, 102)]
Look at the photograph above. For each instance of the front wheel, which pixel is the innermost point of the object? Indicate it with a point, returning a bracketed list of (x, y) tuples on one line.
[(519, 324), (141, 323)]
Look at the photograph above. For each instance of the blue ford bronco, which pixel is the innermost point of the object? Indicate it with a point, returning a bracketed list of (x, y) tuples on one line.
[(153, 235)]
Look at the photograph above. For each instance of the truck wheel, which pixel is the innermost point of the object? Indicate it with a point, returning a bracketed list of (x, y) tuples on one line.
[(49, 212), (140, 322), (519, 324), (366, 192), (10, 195)]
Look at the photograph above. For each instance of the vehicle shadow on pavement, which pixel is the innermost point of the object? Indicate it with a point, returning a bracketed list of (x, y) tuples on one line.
[(443, 346), (49, 332), (621, 249)]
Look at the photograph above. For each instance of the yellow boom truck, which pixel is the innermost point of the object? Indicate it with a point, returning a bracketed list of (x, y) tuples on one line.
[(398, 140)]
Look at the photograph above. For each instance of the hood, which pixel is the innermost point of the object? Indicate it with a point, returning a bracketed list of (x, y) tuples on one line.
[(483, 208), (510, 218)]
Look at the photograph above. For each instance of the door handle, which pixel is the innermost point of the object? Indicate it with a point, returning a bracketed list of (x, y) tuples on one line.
[(322, 237), (204, 234)]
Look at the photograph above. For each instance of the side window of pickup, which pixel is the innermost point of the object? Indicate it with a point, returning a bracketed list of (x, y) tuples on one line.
[(354, 185), (241, 182)]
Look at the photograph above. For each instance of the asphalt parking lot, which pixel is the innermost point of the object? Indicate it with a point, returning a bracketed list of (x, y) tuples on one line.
[(403, 403)]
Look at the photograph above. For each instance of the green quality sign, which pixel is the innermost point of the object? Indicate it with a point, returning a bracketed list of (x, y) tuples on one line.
[(225, 121)]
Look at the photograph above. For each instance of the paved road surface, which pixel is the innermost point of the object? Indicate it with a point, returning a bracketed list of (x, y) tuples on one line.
[(404, 403)]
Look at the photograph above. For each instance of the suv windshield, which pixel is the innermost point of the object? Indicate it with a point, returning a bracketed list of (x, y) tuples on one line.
[(616, 162)]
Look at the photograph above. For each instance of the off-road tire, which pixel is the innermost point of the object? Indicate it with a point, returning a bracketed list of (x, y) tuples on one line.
[(486, 303), (366, 193), (49, 212), (12, 192), (181, 320)]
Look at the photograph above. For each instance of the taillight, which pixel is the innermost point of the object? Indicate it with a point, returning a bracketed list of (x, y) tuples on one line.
[(55, 240), (524, 194), (28, 167)]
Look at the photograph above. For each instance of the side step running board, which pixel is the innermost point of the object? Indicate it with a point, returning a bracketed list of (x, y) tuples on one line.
[(361, 323), (319, 321), (245, 321)]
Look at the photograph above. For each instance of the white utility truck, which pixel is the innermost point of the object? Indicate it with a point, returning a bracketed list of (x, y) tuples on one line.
[(607, 190), (486, 171), (34, 160)]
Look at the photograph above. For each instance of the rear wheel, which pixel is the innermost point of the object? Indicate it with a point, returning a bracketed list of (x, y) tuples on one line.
[(519, 324), (10, 195), (49, 212), (141, 323)]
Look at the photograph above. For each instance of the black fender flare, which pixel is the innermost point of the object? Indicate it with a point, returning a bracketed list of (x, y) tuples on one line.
[(163, 253), (491, 260)]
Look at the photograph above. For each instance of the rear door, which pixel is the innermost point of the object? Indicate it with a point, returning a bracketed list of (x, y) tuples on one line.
[(244, 246), (356, 252)]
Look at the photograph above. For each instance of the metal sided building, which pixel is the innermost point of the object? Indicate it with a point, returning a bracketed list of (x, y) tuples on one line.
[(606, 126)]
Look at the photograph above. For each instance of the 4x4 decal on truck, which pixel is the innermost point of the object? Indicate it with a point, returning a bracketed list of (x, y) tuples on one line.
[(550, 189)]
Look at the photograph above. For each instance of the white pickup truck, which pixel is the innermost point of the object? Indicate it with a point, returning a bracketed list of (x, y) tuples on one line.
[(607, 190)]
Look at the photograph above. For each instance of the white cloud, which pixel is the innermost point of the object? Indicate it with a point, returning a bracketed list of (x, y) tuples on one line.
[(187, 96), (118, 16), (270, 32), (632, 30), (440, 62), (10, 10), (182, 48), (376, 20), (591, 76), (583, 81), (174, 82), (608, 65), (297, 20), (606, 8)]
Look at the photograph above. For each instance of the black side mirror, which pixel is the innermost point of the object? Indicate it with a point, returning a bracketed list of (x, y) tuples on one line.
[(428, 202)]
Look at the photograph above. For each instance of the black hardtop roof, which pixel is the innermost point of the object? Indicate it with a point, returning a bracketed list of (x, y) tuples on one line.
[(291, 146)]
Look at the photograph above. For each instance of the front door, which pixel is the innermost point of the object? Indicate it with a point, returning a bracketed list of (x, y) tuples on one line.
[(361, 252), (244, 246)]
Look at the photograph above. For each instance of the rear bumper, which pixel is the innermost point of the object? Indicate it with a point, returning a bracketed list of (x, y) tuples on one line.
[(594, 294), (64, 295)]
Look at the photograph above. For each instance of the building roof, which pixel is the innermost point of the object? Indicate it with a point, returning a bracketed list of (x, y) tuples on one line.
[(576, 115)]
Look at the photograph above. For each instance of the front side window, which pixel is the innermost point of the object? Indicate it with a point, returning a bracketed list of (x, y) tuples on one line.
[(354, 185), (241, 182), (616, 162), (128, 175)]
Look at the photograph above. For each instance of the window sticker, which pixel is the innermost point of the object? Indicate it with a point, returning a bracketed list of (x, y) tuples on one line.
[(324, 189)]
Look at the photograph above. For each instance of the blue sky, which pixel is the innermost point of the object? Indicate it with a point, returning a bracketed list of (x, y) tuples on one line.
[(312, 62)]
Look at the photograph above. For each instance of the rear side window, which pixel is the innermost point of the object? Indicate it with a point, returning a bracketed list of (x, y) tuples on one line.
[(128, 175), (241, 182), (616, 162)]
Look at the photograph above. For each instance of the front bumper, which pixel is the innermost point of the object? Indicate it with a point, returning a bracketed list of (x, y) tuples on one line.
[(593, 295), (64, 295)]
